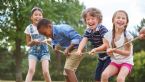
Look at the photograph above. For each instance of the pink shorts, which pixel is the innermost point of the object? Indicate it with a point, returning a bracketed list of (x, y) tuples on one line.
[(129, 66)]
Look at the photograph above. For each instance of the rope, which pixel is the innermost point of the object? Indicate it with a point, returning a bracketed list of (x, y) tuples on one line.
[(96, 52)]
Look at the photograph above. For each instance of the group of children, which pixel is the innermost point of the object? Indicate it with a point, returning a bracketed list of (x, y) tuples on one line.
[(116, 61)]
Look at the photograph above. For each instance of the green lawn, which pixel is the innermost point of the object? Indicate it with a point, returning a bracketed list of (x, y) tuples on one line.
[(33, 81)]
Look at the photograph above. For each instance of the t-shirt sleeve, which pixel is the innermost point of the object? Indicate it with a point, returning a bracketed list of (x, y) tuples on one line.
[(129, 36), (103, 30), (86, 34), (27, 30), (108, 35)]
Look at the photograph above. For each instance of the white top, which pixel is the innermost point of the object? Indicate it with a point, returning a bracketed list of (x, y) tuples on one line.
[(27, 30), (117, 58), (33, 32)]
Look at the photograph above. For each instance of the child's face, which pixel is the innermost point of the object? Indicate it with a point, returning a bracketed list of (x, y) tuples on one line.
[(46, 31), (91, 21), (36, 16), (120, 20)]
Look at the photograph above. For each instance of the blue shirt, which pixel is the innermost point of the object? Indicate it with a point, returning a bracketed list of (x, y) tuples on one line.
[(64, 35), (96, 38)]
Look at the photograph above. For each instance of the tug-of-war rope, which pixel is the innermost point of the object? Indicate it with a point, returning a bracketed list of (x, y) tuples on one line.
[(47, 40)]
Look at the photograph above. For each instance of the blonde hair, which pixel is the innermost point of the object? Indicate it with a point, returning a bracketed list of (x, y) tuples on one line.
[(92, 12), (127, 46)]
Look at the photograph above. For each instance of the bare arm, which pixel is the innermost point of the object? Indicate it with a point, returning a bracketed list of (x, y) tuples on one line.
[(81, 46), (103, 47), (30, 42), (125, 52), (69, 49)]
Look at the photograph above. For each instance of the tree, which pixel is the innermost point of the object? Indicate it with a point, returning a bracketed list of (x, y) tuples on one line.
[(14, 17)]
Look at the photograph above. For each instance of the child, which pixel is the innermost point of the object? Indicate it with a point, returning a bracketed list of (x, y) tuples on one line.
[(142, 33), (94, 33), (122, 58), (65, 36), (38, 50)]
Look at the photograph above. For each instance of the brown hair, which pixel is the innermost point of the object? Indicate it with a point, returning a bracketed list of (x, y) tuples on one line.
[(127, 46), (92, 12)]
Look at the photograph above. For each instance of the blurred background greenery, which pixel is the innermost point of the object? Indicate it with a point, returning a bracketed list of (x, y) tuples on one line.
[(14, 17)]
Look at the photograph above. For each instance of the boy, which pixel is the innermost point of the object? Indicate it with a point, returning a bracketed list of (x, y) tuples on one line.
[(65, 36), (94, 33)]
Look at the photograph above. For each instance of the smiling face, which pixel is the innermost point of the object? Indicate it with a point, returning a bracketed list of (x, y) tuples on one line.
[(91, 21), (36, 16), (120, 20)]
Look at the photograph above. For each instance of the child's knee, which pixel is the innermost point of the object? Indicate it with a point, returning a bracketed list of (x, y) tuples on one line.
[(31, 70), (105, 76), (45, 72), (120, 79), (68, 71)]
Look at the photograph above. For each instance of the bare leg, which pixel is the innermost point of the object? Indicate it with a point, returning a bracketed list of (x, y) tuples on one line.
[(66, 78), (31, 70), (71, 75), (122, 74), (98, 81), (45, 69), (108, 72)]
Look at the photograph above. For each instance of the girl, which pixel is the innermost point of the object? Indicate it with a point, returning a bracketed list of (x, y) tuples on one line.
[(122, 58), (38, 49)]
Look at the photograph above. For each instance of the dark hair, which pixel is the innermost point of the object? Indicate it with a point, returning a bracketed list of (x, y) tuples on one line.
[(44, 23), (92, 12), (34, 9)]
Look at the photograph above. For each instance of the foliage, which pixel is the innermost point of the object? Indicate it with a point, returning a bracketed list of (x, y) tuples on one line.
[(14, 17), (138, 72), (139, 45)]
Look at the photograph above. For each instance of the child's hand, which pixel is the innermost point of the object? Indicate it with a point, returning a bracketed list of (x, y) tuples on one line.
[(35, 42), (66, 52), (110, 51), (47, 40), (92, 52), (79, 53), (142, 36), (56, 49), (142, 33)]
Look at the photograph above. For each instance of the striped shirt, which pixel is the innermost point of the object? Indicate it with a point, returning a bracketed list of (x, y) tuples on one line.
[(96, 37)]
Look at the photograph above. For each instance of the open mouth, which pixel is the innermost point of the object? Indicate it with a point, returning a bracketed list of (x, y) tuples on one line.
[(91, 25), (120, 23)]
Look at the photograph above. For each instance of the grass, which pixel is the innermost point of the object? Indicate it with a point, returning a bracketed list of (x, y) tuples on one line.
[(32, 81)]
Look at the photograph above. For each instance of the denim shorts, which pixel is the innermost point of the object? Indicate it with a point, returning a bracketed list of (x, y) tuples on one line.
[(39, 57)]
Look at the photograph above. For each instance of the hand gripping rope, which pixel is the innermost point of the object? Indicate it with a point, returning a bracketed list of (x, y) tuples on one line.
[(96, 52)]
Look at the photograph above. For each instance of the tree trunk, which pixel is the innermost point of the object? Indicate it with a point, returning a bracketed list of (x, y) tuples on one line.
[(18, 60)]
